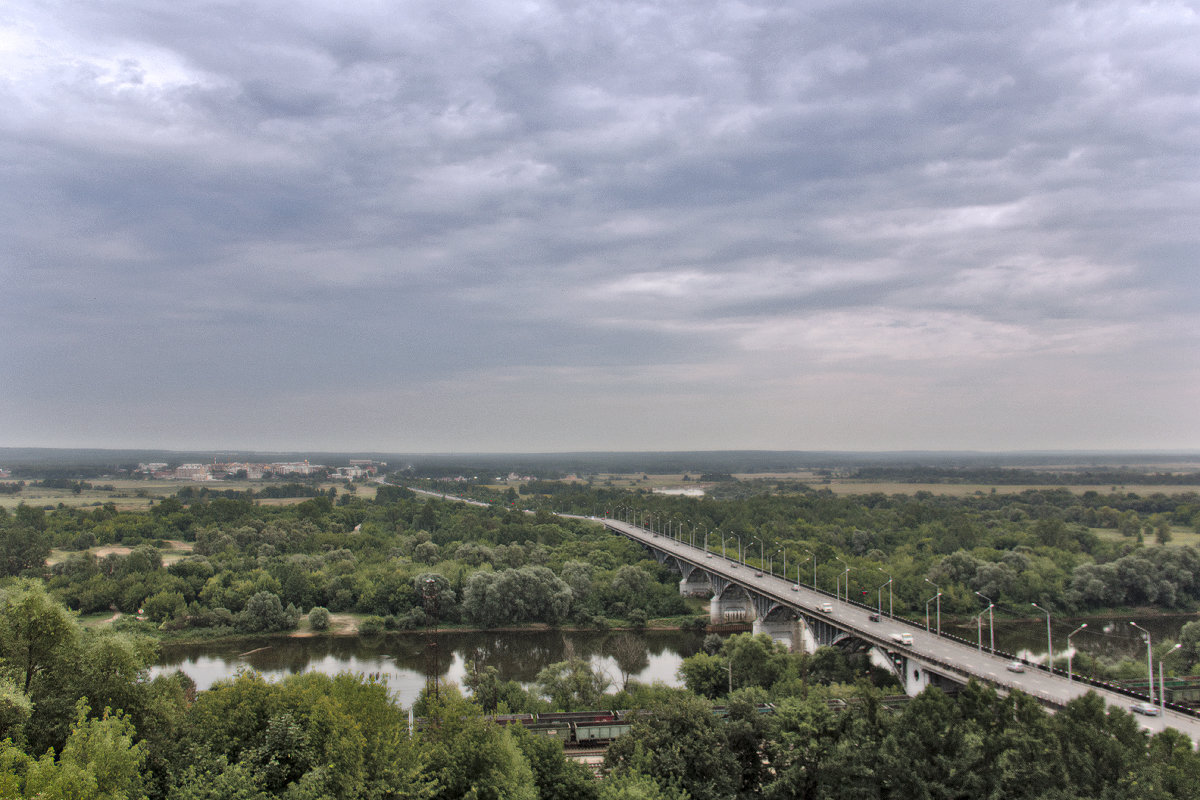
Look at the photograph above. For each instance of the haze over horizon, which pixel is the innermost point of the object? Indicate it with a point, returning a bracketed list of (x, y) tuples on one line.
[(600, 226)]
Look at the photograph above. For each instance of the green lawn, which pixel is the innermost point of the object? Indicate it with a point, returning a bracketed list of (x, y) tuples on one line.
[(1180, 536)]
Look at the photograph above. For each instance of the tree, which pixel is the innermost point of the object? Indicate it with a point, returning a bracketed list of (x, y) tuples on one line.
[(470, 757), (265, 613), (629, 784), (36, 632), (528, 594), (683, 746), (99, 762), (630, 654), (556, 777), (318, 618), (754, 660), (572, 685), (15, 709), (24, 541), (705, 675)]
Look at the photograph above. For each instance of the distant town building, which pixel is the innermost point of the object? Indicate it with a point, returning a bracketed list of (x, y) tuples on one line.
[(193, 472), (297, 468)]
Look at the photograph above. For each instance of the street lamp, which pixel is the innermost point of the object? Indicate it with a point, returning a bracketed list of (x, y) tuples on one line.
[(1162, 689), (939, 608), (890, 585), (991, 627), (1049, 641), (845, 574), (1149, 660), (937, 597), (979, 628), (814, 558), (879, 599), (1071, 652)]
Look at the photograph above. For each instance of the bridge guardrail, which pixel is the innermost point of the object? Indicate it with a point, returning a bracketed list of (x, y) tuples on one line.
[(1105, 685)]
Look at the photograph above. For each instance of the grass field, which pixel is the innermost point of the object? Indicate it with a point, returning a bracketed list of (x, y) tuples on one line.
[(130, 495), (845, 486), (174, 551), (1179, 537)]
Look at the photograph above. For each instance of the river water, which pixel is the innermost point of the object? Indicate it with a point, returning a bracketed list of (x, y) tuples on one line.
[(403, 658)]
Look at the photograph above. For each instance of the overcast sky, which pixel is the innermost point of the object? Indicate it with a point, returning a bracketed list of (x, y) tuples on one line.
[(553, 226)]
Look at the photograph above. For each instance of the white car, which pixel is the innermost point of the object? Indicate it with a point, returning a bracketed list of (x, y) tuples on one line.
[(1149, 709), (1015, 666), (827, 608)]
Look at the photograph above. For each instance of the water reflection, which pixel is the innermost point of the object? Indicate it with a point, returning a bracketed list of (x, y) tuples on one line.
[(401, 658)]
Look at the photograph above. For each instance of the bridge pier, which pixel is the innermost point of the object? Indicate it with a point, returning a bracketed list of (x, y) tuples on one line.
[(788, 631), (695, 583), (731, 605)]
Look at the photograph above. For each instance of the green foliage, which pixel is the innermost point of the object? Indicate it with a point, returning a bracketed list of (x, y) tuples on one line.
[(516, 595), (683, 746), (318, 618), (470, 757), (572, 685), (24, 541), (555, 777), (265, 613)]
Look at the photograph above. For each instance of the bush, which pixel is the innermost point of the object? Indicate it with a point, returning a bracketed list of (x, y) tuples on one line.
[(371, 626), (318, 618), (264, 613)]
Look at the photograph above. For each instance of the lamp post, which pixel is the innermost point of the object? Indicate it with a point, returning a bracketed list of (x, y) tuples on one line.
[(1070, 652), (879, 599), (890, 585), (1149, 660), (814, 558), (937, 597), (939, 608), (979, 629), (846, 575), (1162, 689), (991, 627), (1049, 641)]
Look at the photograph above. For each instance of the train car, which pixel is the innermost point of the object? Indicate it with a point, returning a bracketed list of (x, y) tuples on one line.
[(599, 732), (562, 730), (512, 719)]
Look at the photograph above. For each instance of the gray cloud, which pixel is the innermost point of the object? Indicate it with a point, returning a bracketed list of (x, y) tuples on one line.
[(614, 225)]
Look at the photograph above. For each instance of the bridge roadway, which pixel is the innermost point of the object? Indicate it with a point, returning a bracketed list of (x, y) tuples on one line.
[(948, 657)]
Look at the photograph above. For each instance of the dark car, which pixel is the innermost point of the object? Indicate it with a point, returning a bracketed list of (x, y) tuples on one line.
[(873, 617)]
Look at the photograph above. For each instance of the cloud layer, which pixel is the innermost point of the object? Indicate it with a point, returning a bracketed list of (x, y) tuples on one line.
[(600, 225)]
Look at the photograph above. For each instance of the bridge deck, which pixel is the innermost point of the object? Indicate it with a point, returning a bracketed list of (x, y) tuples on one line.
[(949, 656)]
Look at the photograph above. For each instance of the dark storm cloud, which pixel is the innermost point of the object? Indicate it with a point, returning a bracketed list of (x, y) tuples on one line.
[(771, 206)]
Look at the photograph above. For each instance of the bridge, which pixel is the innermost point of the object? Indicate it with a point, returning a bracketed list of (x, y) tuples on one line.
[(787, 610)]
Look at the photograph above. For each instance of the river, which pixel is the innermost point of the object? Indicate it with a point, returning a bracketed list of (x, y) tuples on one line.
[(402, 657)]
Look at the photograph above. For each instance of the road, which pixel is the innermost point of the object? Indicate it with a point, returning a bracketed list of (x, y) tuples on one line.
[(950, 654), (965, 658)]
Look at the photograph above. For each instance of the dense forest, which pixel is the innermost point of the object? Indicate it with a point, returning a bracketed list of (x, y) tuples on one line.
[(80, 716)]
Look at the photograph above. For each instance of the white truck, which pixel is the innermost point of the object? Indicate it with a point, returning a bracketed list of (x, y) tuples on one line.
[(902, 638)]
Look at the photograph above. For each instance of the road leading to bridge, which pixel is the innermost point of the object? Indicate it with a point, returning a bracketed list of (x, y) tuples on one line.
[(949, 657)]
